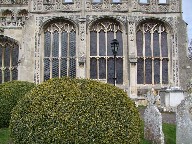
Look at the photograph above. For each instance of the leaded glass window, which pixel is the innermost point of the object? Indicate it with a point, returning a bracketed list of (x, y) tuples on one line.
[(152, 54), (59, 50), (101, 56), (9, 52)]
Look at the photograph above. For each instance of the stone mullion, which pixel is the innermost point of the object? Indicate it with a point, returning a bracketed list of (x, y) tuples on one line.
[(144, 80), (68, 49), (60, 52), (51, 56), (11, 68), (106, 55), (152, 57), (3, 66)]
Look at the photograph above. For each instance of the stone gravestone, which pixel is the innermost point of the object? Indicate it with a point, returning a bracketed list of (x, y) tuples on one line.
[(184, 120), (153, 120)]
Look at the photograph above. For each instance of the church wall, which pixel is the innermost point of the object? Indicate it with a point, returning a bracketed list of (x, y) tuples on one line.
[(82, 14)]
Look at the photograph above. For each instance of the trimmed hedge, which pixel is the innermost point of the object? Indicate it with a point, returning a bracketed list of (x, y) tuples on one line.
[(10, 94), (75, 111)]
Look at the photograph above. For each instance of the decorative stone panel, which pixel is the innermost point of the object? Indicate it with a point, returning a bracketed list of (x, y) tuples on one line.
[(106, 5), (55, 5)]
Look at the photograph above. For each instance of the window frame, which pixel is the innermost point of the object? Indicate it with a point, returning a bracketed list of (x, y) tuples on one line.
[(153, 58), (123, 57), (42, 65)]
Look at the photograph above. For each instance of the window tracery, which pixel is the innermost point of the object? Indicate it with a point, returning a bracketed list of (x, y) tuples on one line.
[(59, 50), (101, 56), (9, 52), (152, 54)]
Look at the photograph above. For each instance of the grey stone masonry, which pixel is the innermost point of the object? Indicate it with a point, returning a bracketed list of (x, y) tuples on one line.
[(153, 121), (184, 121)]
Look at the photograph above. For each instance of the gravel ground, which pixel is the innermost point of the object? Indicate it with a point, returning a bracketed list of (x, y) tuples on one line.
[(166, 116)]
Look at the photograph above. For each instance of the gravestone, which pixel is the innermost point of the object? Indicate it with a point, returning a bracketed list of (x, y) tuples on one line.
[(184, 120), (153, 120)]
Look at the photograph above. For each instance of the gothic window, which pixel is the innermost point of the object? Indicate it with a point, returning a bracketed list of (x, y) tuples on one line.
[(9, 52), (152, 54), (59, 50), (101, 56)]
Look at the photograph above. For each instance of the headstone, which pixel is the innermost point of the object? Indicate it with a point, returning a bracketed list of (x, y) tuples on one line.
[(184, 120), (153, 120)]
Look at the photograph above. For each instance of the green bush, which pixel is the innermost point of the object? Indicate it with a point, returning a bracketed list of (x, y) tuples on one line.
[(68, 111), (10, 94)]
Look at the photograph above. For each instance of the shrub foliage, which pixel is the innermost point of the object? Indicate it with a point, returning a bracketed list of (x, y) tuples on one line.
[(75, 111), (10, 94)]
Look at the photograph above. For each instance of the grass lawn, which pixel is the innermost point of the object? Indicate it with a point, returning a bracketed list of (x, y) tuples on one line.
[(169, 131), (4, 136)]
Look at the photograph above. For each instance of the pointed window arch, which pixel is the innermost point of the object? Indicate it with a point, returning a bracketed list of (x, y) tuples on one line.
[(59, 50), (101, 57), (152, 53)]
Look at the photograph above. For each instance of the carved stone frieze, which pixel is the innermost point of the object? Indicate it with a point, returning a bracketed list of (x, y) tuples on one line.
[(154, 6), (106, 5), (57, 5), (16, 2)]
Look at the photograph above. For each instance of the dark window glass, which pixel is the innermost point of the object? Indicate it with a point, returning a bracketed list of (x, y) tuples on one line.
[(164, 47), (165, 71), (15, 55), (55, 50), (157, 71), (102, 68), (119, 71), (1, 48), (0, 76), (102, 47), (147, 44), (156, 49), (110, 37), (120, 40), (72, 43), (110, 70), (140, 71), (7, 56), (72, 67), (93, 43), (7, 75), (46, 68), (14, 74), (93, 68), (64, 67), (47, 44), (148, 71), (55, 67), (139, 43), (64, 39)]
